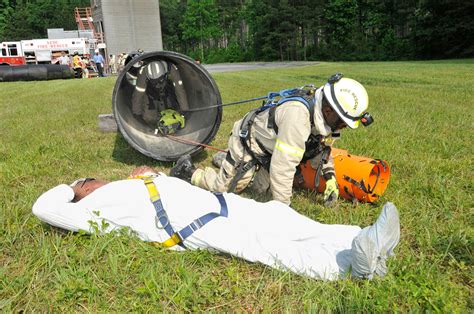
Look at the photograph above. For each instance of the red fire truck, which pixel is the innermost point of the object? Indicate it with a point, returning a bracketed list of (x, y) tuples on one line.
[(11, 54), (42, 51)]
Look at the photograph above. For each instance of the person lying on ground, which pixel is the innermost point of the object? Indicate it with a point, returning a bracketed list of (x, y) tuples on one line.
[(178, 215)]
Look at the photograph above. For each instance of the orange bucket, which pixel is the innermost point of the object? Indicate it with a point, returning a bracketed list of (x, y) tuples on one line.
[(360, 178)]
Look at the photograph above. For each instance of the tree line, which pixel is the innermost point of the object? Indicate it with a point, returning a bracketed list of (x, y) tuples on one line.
[(250, 30), (30, 19), (253, 30)]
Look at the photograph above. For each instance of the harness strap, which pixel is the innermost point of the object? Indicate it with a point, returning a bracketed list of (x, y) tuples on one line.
[(245, 131), (326, 152), (241, 169), (177, 238), (244, 135), (308, 102), (246, 127), (229, 159), (161, 215), (346, 189), (204, 219), (264, 161), (271, 124), (376, 161), (360, 185)]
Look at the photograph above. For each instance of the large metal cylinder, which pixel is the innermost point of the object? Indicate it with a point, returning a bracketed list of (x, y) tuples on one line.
[(156, 81)]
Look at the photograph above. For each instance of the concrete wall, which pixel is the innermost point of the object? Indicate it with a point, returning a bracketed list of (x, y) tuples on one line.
[(129, 24)]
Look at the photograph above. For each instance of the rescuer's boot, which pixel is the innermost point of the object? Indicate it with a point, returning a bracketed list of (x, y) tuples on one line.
[(183, 169), (374, 244)]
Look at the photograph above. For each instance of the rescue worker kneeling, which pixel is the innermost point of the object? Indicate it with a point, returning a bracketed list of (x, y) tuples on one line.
[(266, 146)]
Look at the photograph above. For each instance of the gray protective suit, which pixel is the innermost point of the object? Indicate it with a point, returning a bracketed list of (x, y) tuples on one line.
[(286, 149), (158, 86)]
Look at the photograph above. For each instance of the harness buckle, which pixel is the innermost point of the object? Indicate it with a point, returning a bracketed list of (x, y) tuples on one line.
[(158, 223), (177, 237), (198, 223), (244, 133)]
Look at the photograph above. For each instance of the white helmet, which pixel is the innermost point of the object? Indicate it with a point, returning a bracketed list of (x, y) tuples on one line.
[(156, 70), (349, 99)]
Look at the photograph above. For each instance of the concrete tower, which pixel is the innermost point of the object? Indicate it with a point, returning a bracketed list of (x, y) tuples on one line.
[(128, 25)]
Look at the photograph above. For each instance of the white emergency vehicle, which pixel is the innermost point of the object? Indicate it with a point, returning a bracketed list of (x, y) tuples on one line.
[(43, 51)]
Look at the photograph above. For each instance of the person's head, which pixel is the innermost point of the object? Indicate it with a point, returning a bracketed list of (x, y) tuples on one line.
[(85, 186), (63, 53), (97, 52), (76, 53), (157, 71), (345, 102), (331, 117)]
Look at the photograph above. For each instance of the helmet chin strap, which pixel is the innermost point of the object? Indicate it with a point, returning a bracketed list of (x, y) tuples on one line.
[(331, 117)]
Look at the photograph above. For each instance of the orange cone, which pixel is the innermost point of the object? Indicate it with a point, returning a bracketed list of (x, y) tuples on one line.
[(360, 178)]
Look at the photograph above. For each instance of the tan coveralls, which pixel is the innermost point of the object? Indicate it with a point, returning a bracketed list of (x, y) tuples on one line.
[(287, 149)]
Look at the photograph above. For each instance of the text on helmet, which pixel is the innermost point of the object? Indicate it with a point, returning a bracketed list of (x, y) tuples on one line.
[(356, 100)]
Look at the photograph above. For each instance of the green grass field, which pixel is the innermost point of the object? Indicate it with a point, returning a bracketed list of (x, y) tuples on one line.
[(423, 127)]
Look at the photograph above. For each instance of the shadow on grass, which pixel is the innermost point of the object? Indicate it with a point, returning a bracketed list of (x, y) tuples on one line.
[(456, 244), (125, 153)]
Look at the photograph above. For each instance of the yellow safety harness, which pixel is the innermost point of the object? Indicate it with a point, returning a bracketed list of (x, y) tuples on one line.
[(162, 221)]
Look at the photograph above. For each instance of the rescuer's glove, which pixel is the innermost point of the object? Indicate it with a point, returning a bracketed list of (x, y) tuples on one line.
[(331, 192)]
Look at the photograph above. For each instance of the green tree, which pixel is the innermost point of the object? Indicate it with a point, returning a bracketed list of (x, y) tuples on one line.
[(23, 19), (272, 25), (200, 24), (445, 29), (340, 19), (16, 25), (6, 9), (320, 29), (171, 14), (228, 12)]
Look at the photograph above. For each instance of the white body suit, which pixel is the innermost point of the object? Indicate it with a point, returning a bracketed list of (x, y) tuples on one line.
[(270, 233)]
